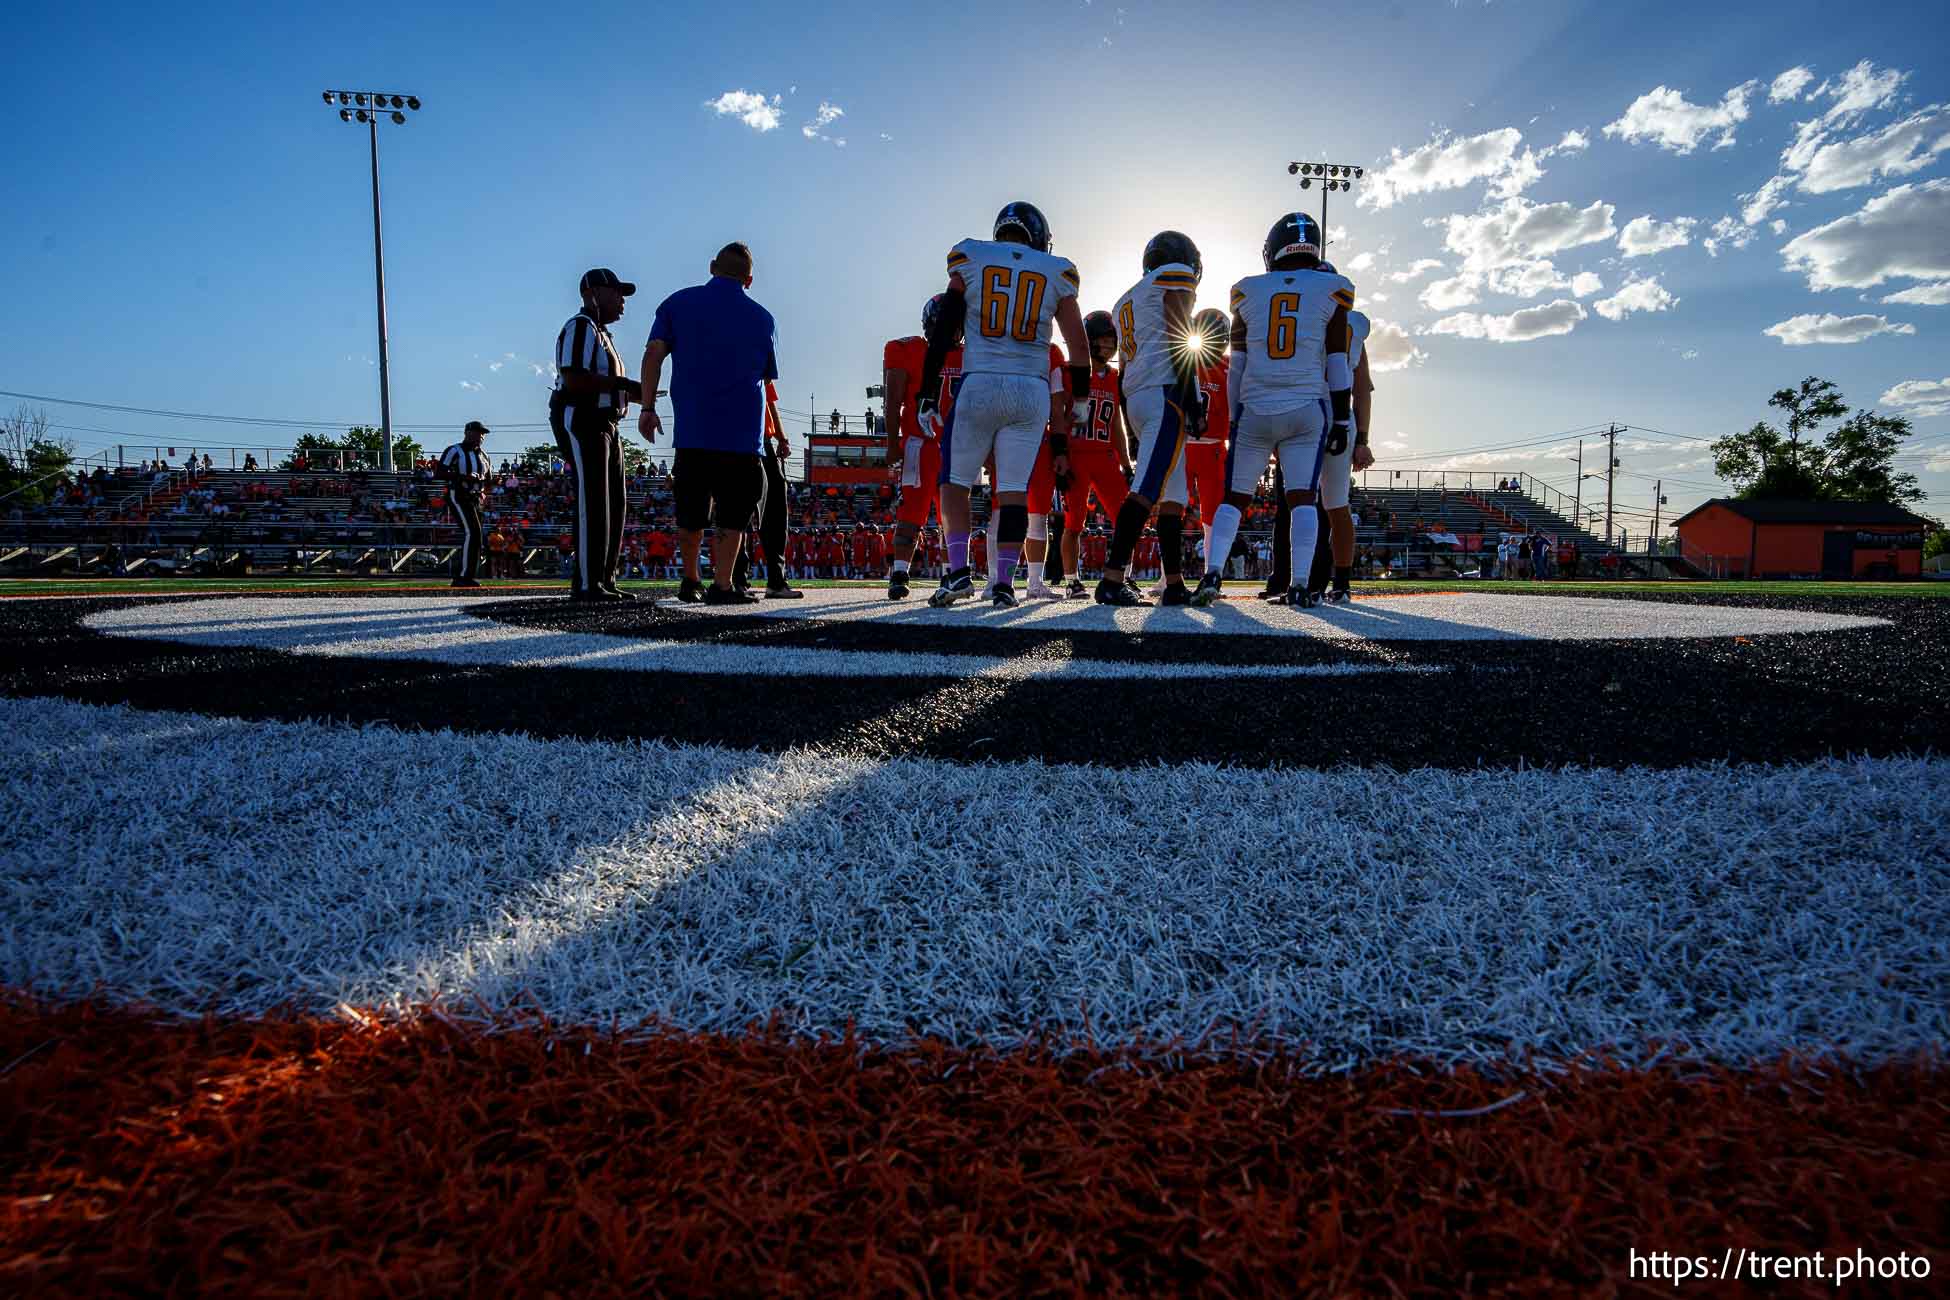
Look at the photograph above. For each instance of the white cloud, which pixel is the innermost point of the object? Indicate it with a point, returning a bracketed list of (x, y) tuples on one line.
[(1778, 226), (1755, 207), (1585, 283), (1903, 234), (1920, 397), (749, 107), (1419, 268), (470, 386), (1519, 230), (1727, 233), (1899, 149), (1690, 354), (1665, 117), (1390, 348), (826, 115), (1799, 331), (1361, 263), (1924, 295), (1559, 317), (1445, 163), (1643, 237), (495, 366), (1573, 142), (1861, 89), (1447, 295), (1526, 279), (539, 371), (1637, 295), (1789, 85)]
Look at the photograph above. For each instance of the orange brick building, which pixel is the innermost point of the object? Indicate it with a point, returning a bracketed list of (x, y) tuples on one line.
[(1797, 539)]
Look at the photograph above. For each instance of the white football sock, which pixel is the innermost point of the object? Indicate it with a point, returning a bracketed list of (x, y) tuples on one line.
[(1218, 545), (1301, 543)]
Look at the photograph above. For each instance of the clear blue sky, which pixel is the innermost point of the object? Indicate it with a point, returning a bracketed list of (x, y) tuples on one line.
[(189, 229)]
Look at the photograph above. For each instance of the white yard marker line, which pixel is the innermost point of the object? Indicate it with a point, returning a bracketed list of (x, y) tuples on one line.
[(1729, 911), (440, 630)]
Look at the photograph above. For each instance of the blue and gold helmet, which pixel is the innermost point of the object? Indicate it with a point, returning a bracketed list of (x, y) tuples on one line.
[(1296, 232), (1029, 220)]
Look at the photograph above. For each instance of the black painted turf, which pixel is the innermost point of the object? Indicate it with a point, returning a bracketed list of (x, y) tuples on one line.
[(1658, 703)]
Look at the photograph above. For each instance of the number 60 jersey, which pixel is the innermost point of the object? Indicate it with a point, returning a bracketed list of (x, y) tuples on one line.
[(1012, 292), (1279, 320)]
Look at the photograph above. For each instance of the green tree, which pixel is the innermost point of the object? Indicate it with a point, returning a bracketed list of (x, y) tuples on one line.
[(1861, 454), (29, 457), (536, 459), (365, 438), (361, 445), (1855, 461)]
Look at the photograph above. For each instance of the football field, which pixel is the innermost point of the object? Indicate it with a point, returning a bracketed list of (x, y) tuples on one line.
[(1466, 936)]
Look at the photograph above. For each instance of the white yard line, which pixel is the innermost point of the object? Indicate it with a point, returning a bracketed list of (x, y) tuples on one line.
[(439, 630), (1731, 911)]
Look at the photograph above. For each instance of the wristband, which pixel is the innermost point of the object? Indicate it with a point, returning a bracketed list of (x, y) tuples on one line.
[(1343, 404), (1059, 443)]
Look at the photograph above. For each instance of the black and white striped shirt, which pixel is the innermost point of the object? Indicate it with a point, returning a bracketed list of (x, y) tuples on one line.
[(469, 468), (584, 344)]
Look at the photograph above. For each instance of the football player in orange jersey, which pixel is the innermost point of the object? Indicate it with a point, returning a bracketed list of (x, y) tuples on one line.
[(1100, 456), (913, 446), (1205, 455)]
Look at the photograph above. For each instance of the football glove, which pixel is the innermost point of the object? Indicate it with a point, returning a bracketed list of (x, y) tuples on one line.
[(1338, 435), (928, 413)]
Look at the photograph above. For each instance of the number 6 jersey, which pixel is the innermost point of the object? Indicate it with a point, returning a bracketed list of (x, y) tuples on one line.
[(1284, 316), (1012, 292)]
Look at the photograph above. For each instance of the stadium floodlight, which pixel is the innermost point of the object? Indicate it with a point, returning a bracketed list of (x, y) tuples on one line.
[(369, 118), (1332, 177)]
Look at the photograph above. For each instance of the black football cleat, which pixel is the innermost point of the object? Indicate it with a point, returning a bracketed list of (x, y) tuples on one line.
[(1121, 594), (690, 591), (780, 591), (957, 586), (1003, 596), (897, 586), (1208, 593), (716, 595), (1175, 594), (1076, 590)]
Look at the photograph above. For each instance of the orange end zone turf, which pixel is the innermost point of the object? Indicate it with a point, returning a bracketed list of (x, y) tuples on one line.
[(303, 1155)]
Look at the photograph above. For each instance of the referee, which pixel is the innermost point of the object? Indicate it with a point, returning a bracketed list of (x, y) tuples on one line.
[(590, 398), (465, 468)]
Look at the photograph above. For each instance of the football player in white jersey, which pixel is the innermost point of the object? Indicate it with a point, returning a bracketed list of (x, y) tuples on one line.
[(1016, 288), (1291, 388), (1163, 405), (1337, 468)]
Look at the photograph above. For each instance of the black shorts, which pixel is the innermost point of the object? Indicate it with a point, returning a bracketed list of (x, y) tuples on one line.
[(716, 487)]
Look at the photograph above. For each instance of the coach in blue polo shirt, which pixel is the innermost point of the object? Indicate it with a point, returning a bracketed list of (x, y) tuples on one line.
[(721, 346)]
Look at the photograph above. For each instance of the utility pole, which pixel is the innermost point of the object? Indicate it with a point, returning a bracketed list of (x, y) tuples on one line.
[(366, 108), (1611, 471), (1658, 499), (1577, 496)]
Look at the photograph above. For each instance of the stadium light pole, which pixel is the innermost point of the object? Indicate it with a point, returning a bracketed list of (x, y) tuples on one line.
[(365, 108), (1331, 177)]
